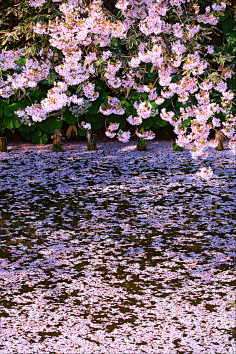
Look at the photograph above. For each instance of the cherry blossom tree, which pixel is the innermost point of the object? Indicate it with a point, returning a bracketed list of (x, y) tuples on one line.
[(117, 49)]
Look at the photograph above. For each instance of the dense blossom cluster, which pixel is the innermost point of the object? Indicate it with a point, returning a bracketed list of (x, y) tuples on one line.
[(85, 35), (55, 100), (229, 129), (23, 76), (112, 106), (123, 136), (110, 132), (148, 135), (35, 112)]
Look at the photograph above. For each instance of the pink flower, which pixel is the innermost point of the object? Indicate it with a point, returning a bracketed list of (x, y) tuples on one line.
[(76, 100), (123, 136), (110, 134), (134, 63), (106, 54), (113, 126), (144, 109), (86, 125), (178, 30), (152, 95), (210, 49), (112, 106), (54, 102), (205, 173), (167, 115), (60, 87), (178, 48), (228, 95), (147, 135), (221, 86), (36, 3), (159, 100), (89, 91), (134, 120)]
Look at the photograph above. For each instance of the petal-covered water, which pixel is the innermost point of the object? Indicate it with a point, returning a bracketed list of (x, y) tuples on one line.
[(116, 251)]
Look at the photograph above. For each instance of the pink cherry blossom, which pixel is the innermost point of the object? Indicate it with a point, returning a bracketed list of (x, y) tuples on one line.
[(205, 173), (147, 135), (123, 136), (110, 134), (113, 126), (134, 120)]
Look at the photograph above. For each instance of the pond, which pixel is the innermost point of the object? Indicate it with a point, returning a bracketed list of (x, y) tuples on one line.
[(116, 251)]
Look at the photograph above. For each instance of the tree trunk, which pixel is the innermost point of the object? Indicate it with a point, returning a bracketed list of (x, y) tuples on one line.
[(220, 138), (92, 139), (141, 144), (57, 141), (3, 144)]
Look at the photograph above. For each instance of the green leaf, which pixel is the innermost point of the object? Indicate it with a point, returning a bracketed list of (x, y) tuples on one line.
[(177, 147), (150, 77), (21, 61), (23, 104), (69, 118), (231, 38), (37, 95), (166, 104), (49, 125), (116, 46), (154, 105), (98, 86), (27, 129), (39, 138), (131, 42), (1, 112), (94, 109), (115, 118), (228, 26), (125, 102), (81, 132), (12, 122), (98, 125), (92, 118), (180, 104), (144, 96), (147, 123), (129, 110), (26, 136), (231, 49), (123, 123), (3, 103), (160, 122), (187, 122), (135, 96), (10, 109), (102, 97), (223, 18)]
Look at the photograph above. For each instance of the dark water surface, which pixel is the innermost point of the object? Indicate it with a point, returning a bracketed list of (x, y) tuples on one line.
[(116, 251)]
